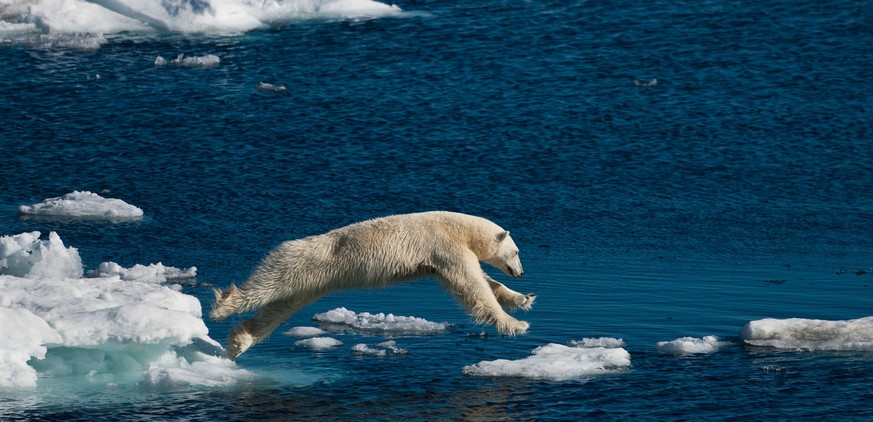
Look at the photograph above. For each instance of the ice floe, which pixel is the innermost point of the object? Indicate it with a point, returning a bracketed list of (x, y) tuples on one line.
[(691, 345), (56, 323), (83, 205), (342, 319), (810, 334), (557, 362)]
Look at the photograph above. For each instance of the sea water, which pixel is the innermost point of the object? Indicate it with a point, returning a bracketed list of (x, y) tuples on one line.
[(690, 186)]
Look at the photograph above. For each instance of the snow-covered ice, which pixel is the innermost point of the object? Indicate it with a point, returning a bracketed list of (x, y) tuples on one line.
[(56, 323), (557, 362), (810, 334), (691, 345), (342, 319), (84, 205)]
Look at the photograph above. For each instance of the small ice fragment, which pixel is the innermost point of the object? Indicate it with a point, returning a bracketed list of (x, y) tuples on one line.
[(318, 343), (304, 332), (653, 82), (263, 86)]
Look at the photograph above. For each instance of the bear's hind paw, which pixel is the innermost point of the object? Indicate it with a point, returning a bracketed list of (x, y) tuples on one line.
[(240, 341)]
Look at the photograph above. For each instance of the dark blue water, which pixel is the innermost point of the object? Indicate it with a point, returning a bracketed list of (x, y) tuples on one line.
[(645, 213)]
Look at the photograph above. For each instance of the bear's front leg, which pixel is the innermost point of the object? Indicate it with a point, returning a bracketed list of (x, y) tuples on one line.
[(509, 298), (475, 294)]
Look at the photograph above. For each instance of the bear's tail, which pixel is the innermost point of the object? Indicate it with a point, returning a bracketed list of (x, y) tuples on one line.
[(225, 303)]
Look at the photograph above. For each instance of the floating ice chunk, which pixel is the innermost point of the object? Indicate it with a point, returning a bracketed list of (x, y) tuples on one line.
[(160, 61), (342, 318), (318, 343), (263, 86), (810, 334), (691, 345), (381, 350), (208, 60), (652, 82), (556, 362), (152, 273), (25, 255), (84, 204), (304, 332), (607, 342)]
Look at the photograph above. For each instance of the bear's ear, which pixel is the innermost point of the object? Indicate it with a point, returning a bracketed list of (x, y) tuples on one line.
[(502, 235)]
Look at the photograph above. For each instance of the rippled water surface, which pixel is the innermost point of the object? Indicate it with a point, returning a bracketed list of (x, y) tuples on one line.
[(732, 182)]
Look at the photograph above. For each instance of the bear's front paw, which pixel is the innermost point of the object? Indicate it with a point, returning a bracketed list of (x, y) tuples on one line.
[(526, 301)]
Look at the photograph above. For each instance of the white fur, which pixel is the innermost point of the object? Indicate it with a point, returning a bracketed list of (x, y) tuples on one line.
[(377, 253)]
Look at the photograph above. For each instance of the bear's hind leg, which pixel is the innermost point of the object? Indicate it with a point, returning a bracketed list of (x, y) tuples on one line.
[(509, 298), (253, 331)]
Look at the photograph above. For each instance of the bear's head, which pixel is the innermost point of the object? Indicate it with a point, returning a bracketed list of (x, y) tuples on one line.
[(505, 256)]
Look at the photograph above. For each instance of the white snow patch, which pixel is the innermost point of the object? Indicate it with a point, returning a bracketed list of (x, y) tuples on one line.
[(342, 319), (691, 345), (810, 334), (85, 205)]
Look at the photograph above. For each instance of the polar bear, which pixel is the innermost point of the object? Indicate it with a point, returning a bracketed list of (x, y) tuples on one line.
[(377, 253)]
